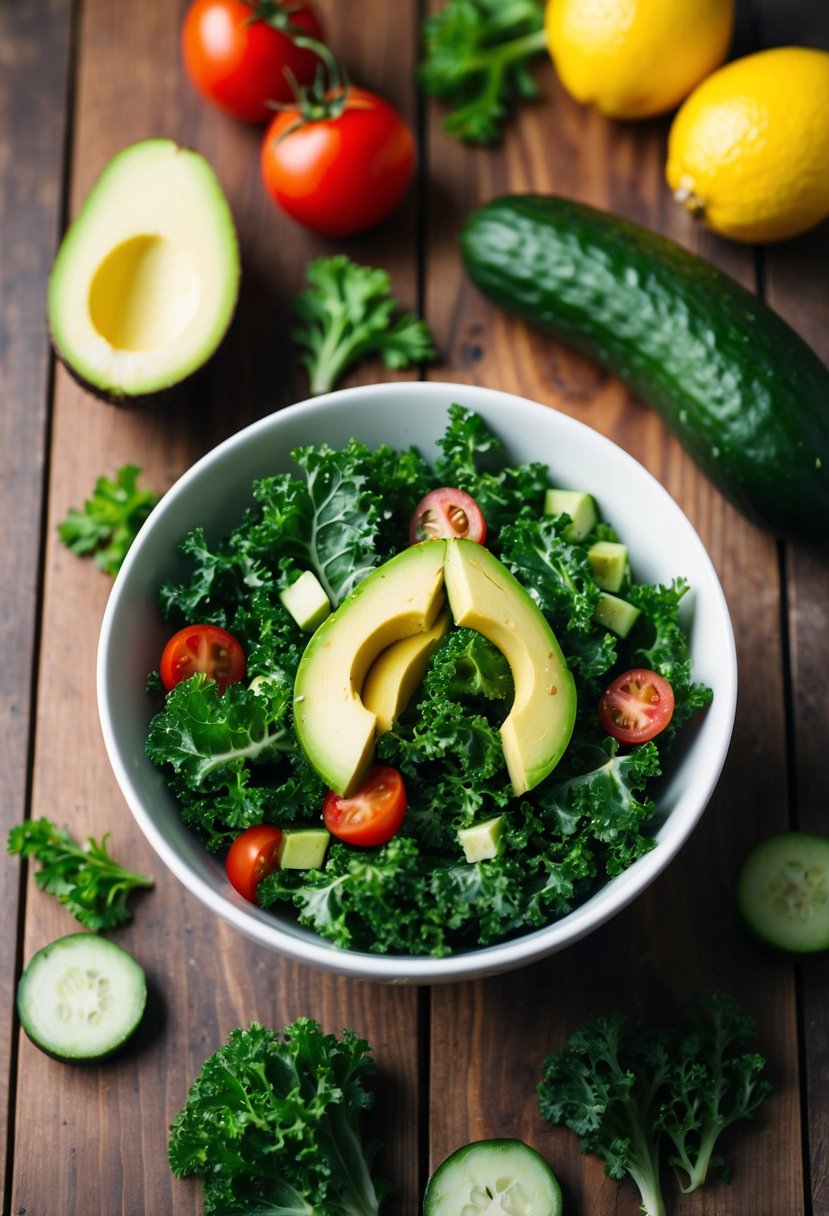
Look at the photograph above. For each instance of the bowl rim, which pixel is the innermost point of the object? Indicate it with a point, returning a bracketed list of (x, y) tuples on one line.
[(304, 945)]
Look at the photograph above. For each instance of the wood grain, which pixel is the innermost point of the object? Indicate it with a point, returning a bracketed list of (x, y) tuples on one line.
[(34, 93)]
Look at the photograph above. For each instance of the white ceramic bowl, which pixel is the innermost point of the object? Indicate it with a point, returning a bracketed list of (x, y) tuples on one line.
[(214, 493)]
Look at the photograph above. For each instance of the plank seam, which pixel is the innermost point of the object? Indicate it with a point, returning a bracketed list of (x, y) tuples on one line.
[(74, 23)]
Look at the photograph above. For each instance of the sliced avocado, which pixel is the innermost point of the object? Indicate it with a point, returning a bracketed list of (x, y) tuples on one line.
[(578, 505), (397, 671), (609, 563), (334, 727), (145, 282), (482, 841), (306, 601), (302, 848), (615, 614), (483, 595)]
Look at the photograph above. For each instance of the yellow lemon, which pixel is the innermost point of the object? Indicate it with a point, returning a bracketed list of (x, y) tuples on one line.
[(636, 58), (748, 152)]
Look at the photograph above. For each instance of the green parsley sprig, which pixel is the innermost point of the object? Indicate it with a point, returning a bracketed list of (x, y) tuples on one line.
[(476, 57), (84, 878), (347, 314), (110, 519)]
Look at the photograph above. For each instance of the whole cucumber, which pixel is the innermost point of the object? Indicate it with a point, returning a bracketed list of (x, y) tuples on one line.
[(745, 395)]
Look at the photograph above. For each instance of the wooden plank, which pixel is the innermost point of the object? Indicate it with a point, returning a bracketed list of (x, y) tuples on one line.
[(681, 933), (795, 286), (106, 1127), (35, 40)]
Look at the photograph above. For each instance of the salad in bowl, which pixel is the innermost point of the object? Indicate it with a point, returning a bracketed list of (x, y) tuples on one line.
[(426, 695)]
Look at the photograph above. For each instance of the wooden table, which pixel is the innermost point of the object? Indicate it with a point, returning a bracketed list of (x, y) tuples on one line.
[(78, 82)]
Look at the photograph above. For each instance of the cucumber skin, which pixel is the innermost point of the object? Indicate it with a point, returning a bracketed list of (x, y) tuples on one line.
[(744, 394)]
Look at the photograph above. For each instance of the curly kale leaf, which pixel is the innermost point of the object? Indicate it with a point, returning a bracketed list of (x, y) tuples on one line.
[(555, 572), (201, 729), (220, 580), (347, 510), (230, 758), (660, 643), (625, 1087), (356, 900), (467, 665), (273, 1125), (476, 57), (605, 1084), (90, 884), (469, 461), (337, 519), (601, 791), (716, 1081)]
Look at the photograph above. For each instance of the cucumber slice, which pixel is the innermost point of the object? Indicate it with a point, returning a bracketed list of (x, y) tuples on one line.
[(783, 892), (490, 1177), (81, 997)]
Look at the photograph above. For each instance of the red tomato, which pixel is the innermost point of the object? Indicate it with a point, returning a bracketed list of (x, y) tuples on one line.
[(253, 855), (237, 56), (342, 174), (636, 706), (205, 648), (447, 512), (372, 814)]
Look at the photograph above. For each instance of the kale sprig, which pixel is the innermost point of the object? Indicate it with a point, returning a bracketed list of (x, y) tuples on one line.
[(110, 519), (476, 58), (626, 1087), (272, 1123), (348, 313), (84, 878)]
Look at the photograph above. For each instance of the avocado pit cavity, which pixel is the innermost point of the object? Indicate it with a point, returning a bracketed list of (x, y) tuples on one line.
[(145, 294)]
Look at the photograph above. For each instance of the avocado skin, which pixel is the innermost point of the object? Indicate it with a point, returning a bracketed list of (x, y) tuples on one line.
[(744, 394), (159, 398)]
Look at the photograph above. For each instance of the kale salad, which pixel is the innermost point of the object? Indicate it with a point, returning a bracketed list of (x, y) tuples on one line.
[(229, 752)]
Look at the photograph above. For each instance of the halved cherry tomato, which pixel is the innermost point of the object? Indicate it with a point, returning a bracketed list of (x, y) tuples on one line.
[(239, 54), (253, 855), (339, 174), (636, 706), (447, 513), (205, 648), (373, 813)]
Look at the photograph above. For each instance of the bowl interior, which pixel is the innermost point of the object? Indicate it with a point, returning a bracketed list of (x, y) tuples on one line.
[(215, 492)]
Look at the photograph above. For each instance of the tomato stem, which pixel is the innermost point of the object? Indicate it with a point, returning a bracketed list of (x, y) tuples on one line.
[(326, 97), (274, 14)]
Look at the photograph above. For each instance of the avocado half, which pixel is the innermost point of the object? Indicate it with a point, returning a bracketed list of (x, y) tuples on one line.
[(145, 282)]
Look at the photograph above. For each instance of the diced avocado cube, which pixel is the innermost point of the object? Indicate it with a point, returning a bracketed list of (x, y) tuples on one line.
[(303, 848), (609, 562), (481, 842), (578, 505), (615, 614), (306, 601)]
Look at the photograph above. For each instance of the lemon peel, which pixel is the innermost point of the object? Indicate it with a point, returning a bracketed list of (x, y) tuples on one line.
[(633, 59), (748, 151)]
